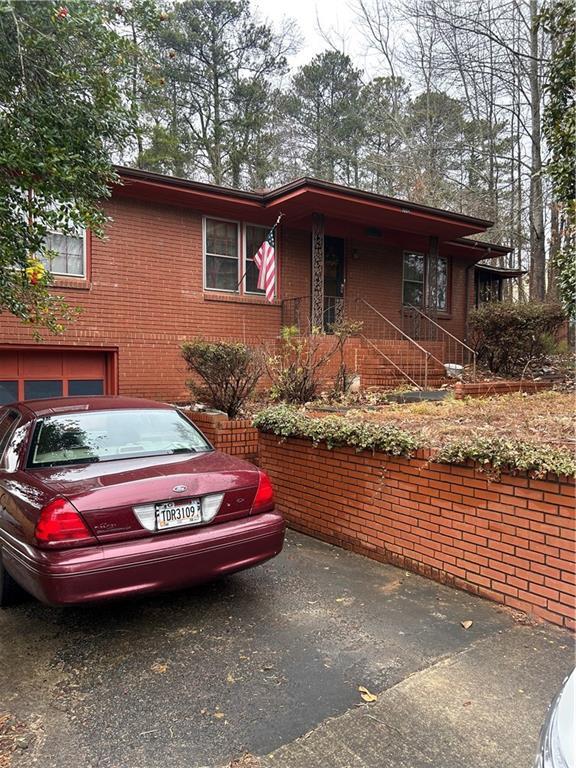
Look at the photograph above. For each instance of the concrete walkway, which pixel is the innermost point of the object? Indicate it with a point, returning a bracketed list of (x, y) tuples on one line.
[(268, 663), (479, 707)]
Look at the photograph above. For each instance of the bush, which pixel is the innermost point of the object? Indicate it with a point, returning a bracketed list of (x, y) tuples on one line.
[(294, 370), (342, 331), (507, 337), (229, 372)]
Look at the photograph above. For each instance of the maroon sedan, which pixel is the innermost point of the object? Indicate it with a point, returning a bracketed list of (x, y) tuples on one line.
[(105, 497)]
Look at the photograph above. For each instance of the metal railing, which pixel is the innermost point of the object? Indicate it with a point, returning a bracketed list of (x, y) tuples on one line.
[(400, 351), (448, 347), (296, 312), (404, 355)]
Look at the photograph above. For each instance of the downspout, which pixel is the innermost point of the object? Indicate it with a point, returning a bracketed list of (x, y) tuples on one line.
[(467, 302)]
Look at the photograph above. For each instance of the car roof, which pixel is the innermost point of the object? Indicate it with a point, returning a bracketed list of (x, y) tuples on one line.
[(59, 405)]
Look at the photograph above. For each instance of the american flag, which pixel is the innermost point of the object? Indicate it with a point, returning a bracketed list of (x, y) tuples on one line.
[(265, 260)]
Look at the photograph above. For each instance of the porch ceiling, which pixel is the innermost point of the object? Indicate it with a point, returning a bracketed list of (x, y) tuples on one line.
[(380, 213)]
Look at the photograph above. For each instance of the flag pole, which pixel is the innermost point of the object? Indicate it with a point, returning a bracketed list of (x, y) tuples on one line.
[(278, 220)]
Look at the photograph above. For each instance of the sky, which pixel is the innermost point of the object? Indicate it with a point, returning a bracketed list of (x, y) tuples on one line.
[(336, 19)]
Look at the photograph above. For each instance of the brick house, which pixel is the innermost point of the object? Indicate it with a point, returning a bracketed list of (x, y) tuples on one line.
[(177, 262)]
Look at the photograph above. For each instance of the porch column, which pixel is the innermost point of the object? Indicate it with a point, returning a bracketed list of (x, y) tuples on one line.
[(318, 270)]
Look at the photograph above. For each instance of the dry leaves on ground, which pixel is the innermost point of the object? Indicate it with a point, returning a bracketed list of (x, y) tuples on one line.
[(366, 695), (544, 417)]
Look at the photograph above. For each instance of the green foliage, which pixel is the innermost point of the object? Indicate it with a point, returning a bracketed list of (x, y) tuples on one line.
[(508, 336), (512, 455), (559, 122), (286, 421), (324, 106), (60, 113), (229, 372), (559, 126), (294, 370), (491, 453), (139, 22), (565, 264), (216, 65)]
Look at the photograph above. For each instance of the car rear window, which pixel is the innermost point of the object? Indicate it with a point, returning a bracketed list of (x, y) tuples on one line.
[(92, 436)]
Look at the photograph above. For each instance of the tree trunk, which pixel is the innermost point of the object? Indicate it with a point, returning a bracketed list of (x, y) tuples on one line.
[(537, 242)]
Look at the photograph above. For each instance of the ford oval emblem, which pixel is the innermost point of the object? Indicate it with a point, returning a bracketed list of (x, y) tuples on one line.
[(180, 488)]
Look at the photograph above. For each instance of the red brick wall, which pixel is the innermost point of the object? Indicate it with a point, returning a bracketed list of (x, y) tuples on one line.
[(234, 436), (512, 540), (374, 273), (144, 294)]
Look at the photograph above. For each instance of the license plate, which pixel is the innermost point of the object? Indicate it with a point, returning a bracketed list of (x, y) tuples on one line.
[(172, 515)]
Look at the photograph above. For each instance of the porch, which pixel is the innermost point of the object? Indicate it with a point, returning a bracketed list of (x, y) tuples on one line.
[(405, 272), (409, 293)]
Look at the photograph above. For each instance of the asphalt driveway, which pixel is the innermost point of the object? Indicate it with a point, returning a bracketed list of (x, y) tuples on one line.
[(268, 662)]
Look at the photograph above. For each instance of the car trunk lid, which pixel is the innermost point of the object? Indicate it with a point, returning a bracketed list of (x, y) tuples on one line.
[(107, 493)]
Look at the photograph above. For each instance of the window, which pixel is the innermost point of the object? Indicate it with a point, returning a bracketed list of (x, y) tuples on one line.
[(425, 281), (221, 255), (488, 288), (96, 436), (438, 283), (229, 250), (38, 390), (80, 387), (413, 283), (254, 237), (69, 254), (8, 392)]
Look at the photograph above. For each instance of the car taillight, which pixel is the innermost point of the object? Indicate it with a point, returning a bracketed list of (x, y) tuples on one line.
[(264, 499), (60, 525)]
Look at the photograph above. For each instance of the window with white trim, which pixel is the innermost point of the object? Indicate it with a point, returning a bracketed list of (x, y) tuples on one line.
[(67, 254), (221, 255)]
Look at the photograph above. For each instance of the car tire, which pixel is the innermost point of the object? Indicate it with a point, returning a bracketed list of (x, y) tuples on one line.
[(10, 591)]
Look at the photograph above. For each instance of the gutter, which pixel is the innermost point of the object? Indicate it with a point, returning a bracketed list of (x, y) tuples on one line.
[(304, 184)]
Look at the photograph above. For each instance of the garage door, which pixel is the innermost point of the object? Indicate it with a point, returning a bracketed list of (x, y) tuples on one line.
[(30, 374)]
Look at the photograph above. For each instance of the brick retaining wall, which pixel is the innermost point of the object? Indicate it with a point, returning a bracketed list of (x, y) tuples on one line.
[(234, 436), (487, 388), (510, 540)]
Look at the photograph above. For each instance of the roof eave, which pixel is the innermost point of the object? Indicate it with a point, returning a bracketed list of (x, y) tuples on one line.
[(303, 184), (311, 183)]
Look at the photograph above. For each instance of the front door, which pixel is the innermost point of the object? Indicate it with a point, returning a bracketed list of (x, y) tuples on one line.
[(333, 281)]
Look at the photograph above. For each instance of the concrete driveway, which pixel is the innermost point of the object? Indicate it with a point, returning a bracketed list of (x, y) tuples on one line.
[(268, 662)]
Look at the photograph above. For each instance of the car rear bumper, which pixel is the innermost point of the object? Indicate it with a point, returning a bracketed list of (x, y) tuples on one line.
[(155, 563)]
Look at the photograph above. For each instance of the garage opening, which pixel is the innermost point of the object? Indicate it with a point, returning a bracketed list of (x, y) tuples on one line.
[(31, 374)]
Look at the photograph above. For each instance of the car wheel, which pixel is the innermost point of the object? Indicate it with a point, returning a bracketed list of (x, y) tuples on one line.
[(9, 589)]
